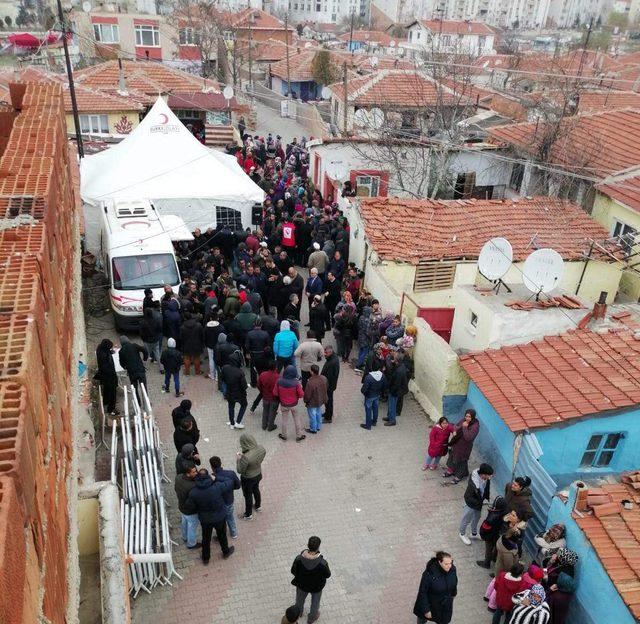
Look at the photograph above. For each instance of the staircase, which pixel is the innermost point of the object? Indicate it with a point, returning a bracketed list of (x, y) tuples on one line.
[(219, 136)]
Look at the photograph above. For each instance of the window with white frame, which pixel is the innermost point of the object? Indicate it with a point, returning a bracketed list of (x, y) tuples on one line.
[(188, 36), (601, 450), (367, 186), (94, 124), (106, 33), (620, 229), (147, 36)]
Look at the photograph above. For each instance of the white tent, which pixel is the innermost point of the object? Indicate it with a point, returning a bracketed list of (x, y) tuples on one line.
[(163, 162)]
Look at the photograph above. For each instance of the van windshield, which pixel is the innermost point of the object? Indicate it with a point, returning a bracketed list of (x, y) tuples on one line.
[(146, 271)]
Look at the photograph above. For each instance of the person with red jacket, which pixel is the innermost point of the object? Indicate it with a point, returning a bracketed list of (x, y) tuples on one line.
[(288, 234), (288, 390), (267, 381), (507, 585), (438, 439)]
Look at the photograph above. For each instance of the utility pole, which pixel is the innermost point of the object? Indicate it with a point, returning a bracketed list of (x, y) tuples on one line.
[(353, 14), (250, 54), (345, 99), (286, 36), (584, 48), (72, 88)]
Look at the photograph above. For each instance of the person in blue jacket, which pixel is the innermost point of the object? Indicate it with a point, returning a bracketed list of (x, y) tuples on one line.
[(372, 387), (221, 473), (284, 345)]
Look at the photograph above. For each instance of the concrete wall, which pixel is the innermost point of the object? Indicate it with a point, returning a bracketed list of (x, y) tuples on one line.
[(440, 385), (564, 446), (592, 579), (607, 211)]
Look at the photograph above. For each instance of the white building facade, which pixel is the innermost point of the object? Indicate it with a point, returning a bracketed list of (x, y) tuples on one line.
[(321, 11)]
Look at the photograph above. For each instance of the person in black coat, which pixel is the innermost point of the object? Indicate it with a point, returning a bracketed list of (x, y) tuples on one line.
[(310, 573), (257, 346), (107, 376), (151, 331), (129, 357), (438, 588), (171, 359), (192, 342), (332, 290), (219, 472), (207, 500), (235, 382), (181, 412), (186, 433), (318, 317), (331, 371), (398, 388), (478, 490)]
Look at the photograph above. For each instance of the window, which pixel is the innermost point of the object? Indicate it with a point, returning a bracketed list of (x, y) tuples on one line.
[(600, 450), (318, 6), (367, 186), (94, 124), (434, 276), (188, 36), (148, 36), (620, 229), (106, 33), (473, 319), (146, 271), (517, 175), (418, 35), (230, 217)]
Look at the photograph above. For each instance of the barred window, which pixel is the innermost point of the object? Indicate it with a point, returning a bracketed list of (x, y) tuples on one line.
[(229, 217), (434, 275)]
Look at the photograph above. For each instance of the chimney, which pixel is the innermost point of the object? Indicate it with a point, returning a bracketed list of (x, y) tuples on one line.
[(122, 87), (600, 308)]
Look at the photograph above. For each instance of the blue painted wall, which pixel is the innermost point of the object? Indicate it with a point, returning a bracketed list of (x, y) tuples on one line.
[(563, 446), (453, 406), (596, 600), (308, 90)]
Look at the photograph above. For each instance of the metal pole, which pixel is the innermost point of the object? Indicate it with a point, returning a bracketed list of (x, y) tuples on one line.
[(72, 88), (584, 268), (286, 35), (353, 14), (345, 99), (250, 57)]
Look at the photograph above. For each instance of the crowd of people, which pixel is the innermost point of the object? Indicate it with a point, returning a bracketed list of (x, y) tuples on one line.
[(239, 307)]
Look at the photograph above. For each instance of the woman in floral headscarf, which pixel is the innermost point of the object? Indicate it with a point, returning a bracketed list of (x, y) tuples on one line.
[(562, 562), (550, 541), (531, 607)]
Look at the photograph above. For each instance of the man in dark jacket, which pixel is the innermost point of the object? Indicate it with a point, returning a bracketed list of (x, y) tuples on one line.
[(151, 332), (192, 341), (398, 388), (207, 500), (478, 490), (181, 412), (187, 454), (257, 347), (372, 387), (235, 383), (171, 359), (310, 573), (218, 471), (186, 433), (331, 372), (183, 484), (222, 352), (129, 357)]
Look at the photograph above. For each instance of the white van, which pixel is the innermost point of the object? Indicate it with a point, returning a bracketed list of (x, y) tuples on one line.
[(136, 251)]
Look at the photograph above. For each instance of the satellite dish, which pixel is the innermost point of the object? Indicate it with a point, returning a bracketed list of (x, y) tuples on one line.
[(376, 118), (325, 93), (392, 43), (373, 61), (543, 270), (86, 6), (228, 93), (361, 118), (495, 258), (337, 171)]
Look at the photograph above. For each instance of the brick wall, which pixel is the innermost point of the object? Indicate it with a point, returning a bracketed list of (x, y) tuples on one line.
[(37, 216)]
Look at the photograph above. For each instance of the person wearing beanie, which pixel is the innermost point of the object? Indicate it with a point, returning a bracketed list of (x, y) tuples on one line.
[(211, 332), (533, 576), (518, 497), (291, 615), (531, 607), (171, 359), (478, 490)]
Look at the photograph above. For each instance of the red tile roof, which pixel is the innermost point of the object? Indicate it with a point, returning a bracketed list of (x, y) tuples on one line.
[(559, 378), (411, 230), (455, 27), (258, 19), (396, 87), (370, 36), (593, 101), (92, 101), (597, 143), (625, 190), (614, 533), (301, 64)]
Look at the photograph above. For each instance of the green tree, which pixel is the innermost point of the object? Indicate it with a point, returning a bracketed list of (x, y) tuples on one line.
[(621, 20), (322, 69), (8, 21)]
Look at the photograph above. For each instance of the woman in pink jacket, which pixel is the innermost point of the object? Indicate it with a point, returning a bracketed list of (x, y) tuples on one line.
[(438, 439)]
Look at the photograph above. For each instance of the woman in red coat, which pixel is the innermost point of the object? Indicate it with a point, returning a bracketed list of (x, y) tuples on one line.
[(438, 439)]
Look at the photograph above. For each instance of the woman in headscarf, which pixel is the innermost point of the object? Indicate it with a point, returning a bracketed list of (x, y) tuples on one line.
[(461, 445), (106, 375), (531, 607), (563, 561), (550, 541)]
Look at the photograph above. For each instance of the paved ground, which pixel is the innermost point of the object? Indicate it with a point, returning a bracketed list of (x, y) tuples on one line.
[(269, 120), (379, 516)]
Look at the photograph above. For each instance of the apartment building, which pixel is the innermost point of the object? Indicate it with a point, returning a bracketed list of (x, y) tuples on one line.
[(322, 11)]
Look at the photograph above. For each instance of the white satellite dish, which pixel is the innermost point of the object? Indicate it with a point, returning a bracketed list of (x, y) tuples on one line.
[(325, 93), (373, 61), (228, 93), (495, 258), (392, 43), (86, 6), (376, 118), (361, 118), (337, 171), (543, 271)]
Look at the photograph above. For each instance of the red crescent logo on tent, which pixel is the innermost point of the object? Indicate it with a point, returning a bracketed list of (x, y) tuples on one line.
[(165, 119)]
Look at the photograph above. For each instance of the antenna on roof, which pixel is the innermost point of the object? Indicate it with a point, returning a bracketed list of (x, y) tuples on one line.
[(542, 271), (495, 260)]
